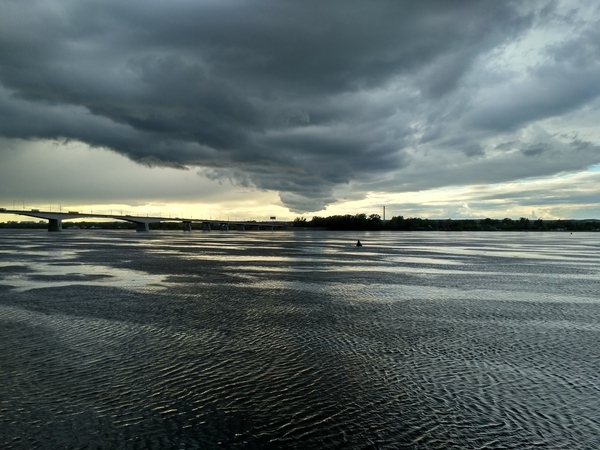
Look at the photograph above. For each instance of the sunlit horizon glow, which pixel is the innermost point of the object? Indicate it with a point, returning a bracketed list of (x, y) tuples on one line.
[(543, 197), (503, 200)]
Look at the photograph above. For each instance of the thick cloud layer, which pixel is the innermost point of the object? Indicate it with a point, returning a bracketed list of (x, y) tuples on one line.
[(306, 97)]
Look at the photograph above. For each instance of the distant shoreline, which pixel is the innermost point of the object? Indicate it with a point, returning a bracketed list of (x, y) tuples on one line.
[(359, 223)]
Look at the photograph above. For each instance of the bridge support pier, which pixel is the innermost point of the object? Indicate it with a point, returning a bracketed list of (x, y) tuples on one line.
[(141, 227), (224, 227), (241, 227), (206, 226), (54, 225), (187, 226)]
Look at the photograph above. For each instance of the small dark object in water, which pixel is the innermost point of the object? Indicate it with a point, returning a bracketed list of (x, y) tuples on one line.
[(358, 243)]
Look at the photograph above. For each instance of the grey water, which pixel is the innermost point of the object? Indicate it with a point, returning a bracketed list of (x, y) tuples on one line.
[(295, 339)]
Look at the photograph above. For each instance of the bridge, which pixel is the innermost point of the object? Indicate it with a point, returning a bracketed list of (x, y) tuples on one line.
[(142, 223)]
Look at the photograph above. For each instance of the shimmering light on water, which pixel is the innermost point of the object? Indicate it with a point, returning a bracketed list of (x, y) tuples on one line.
[(299, 340)]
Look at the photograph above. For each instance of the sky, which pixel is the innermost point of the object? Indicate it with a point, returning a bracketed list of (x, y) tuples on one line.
[(258, 108)]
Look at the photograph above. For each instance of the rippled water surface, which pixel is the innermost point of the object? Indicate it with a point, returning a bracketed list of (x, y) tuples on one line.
[(284, 340)]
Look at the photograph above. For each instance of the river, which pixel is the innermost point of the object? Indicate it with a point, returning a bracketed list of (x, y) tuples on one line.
[(299, 339)]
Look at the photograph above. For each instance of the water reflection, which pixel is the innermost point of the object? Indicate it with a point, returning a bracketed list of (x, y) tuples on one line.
[(298, 340)]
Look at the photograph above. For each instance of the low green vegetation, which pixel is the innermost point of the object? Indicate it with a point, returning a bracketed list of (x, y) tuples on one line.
[(68, 224), (117, 225), (361, 222), (374, 222)]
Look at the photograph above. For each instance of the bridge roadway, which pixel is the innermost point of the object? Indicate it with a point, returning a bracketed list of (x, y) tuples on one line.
[(55, 220)]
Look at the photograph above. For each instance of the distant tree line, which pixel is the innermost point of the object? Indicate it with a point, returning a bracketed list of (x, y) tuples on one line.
[(374, 222), (24, 224), (117, 225), (363, 222), (67, 224)]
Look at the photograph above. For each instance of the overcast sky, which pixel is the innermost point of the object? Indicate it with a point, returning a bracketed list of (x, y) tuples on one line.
[(257, 108)]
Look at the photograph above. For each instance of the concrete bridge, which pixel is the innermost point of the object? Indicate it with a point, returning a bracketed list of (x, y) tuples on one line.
[(142, 223)]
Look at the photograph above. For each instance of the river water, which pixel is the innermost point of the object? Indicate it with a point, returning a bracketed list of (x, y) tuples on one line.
[(285, 340)]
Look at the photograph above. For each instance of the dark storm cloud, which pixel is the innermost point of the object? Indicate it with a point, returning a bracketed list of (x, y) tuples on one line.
[(535, 150), (298, 97)]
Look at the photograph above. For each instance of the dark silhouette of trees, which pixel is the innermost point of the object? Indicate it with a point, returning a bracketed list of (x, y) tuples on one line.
[(347, 222), (360, 222)]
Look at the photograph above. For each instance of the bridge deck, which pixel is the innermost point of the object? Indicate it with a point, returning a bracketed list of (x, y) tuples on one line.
[(55, 219)]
